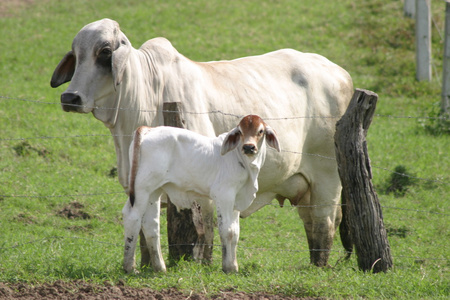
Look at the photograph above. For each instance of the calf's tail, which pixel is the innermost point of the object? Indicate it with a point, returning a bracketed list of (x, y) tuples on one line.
[(135, 162)]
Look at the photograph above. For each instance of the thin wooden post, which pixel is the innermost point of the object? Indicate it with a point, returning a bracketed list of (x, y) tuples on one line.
[(185, 230), (445, 103), (365, 219), (423, 40), (409, 8)]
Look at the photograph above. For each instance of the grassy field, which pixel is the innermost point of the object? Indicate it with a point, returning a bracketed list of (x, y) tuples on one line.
[(60, 201)]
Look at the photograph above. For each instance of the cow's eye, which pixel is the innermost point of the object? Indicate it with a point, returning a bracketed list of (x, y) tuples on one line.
[(106, 52), (104, 58), (261, 131)]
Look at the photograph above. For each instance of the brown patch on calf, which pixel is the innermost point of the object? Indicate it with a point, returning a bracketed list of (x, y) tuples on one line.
[(251, 132), (251, 123), (135, 163)]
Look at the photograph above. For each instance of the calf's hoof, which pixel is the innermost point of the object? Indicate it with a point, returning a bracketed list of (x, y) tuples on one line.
[(129, 270), (230, 270)]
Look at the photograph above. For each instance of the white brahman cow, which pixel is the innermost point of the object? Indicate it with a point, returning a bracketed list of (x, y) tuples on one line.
[(188, 166), (302, 94)]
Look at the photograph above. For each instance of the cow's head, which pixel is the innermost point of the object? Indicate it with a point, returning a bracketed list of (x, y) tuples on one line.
[(249, 134), (95, 66)]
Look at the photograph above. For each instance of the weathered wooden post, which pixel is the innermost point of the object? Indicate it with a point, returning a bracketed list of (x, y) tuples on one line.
[(423, 40), (409, 8), (365, 219), (445, 104), (185, 230)]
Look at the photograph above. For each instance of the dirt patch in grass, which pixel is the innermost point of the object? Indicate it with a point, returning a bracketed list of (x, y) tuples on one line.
[(74, 210), (8, 7), (84, 290)]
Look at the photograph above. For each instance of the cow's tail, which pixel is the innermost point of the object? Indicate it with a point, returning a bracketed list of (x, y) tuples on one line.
[(135, 162)]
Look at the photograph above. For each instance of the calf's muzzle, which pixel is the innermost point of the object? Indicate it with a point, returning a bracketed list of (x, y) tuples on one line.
[(249, 149)]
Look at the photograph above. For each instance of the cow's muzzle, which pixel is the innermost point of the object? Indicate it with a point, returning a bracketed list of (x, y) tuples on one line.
[(71, 102), (249, 149)]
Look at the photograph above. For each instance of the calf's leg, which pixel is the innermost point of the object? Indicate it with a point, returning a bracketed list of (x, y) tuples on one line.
[(228, 221), (151, 230), (132, 224)]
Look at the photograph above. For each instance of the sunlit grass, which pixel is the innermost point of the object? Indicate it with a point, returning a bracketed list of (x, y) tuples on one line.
[(56, 161)]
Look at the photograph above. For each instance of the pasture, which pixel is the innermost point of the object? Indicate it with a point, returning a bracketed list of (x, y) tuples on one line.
[(61, 202)]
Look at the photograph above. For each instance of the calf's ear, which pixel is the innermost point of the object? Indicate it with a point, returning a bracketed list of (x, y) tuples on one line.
[(64, 70), (271, 139), (231, 141)]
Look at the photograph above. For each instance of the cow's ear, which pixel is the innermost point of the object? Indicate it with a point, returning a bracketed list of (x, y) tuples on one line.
[(231, 141), (119, 62), (64, 70), (271, 139)]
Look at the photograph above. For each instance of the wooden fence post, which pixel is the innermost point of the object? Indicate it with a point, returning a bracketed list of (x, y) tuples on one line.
[(409, 8), (185, 230), (445, 104), (423, 40), (365, 219)]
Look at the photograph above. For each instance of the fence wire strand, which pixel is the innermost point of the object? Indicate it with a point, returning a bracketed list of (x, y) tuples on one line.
[(217, 246), (216, 111), (198, 113), (256, 201)]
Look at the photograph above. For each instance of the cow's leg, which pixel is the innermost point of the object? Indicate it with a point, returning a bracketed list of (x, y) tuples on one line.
[(261, 201), (207, 212), (228, 222), (325, 198), (151, 228), (145, 254), (132, 223), (304, 211)]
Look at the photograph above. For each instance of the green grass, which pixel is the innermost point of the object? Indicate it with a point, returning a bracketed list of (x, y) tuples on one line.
[(372, 40)]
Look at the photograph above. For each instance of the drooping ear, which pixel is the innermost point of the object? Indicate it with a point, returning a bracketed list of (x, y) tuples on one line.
[(64, 70), (271, 139), (231, 141), (119, 62)]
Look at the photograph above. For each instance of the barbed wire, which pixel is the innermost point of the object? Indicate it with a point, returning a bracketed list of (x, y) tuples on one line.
[(210, 112), (340, 204), (410, 176), (61, 196), (58, 137), (218, 111), (411, 117), (256, 201), (283, 150), (240, 247), (416, 210)]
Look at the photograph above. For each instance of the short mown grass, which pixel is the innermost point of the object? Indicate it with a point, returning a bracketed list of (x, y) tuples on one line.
[(60, 203)]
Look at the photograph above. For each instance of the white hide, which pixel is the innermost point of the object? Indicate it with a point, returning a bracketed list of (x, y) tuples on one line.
[(303, 95), (187, 167)]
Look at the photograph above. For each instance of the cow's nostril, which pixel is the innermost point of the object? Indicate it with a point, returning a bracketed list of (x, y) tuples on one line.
[(70, 101), (249, 149)]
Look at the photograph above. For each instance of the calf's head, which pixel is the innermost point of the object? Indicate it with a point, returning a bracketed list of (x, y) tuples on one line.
[(95, 66), (249, 136)]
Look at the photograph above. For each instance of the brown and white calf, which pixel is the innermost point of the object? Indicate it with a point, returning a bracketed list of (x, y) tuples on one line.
[(188, 166)]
